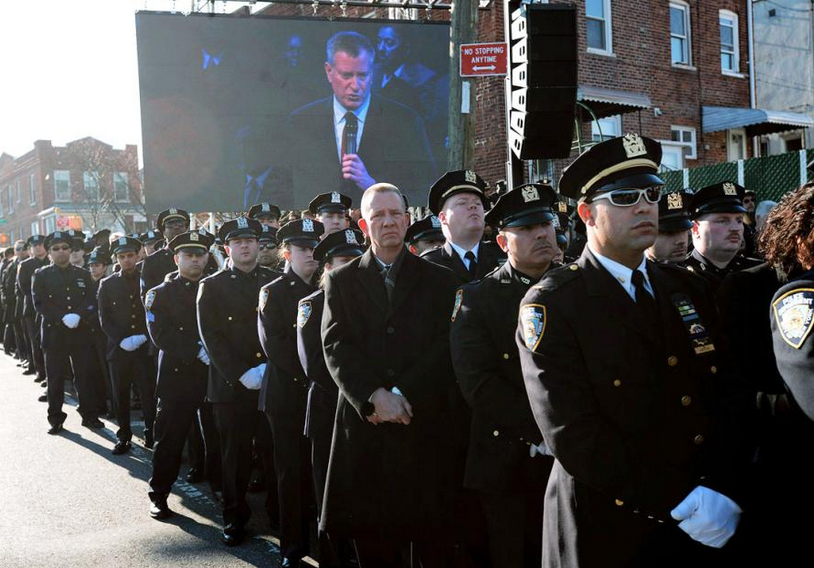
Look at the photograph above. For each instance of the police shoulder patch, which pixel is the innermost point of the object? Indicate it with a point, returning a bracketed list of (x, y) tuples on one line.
[(794, 315), (149, 299), (459, 298), (303, 313), (533, 322), (264, 297)]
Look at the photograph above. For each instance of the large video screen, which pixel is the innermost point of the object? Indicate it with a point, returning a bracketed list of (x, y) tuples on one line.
[(237, 110)]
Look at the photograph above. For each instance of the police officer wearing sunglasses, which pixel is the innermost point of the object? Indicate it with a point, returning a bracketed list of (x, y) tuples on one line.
[(621, 361)]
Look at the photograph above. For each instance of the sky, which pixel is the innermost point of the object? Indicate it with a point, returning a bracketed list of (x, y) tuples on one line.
[(69, 70)]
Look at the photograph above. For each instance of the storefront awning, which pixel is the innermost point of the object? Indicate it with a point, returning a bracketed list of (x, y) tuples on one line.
[(608, 102), (756, 121)]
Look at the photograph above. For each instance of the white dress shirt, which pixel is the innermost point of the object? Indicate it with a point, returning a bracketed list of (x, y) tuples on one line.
[(339, 123), (462, 253), (623, 274)]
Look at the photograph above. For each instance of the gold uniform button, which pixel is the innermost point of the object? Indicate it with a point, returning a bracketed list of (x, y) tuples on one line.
[(69, 307), (617, 383), (258, 354), (176, 370), (686, 400), (180, 329), (133, 327), (573, 267), (505, 355), (699, 439), (619, 502), (495, 433), (672, 360), (713, 369), (67, 297), (229, 318)]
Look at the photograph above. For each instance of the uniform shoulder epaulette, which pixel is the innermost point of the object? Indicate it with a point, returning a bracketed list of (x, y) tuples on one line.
[(554, 279)]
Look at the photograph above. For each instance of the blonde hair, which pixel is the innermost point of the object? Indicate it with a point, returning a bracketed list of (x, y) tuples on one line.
[(367, 196)]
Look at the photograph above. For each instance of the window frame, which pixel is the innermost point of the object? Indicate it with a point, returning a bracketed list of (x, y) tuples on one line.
[(70, 193), (616, 118), (35, 228), (94, 177), (126, 182), (10, 200), (693, 146), (607, 24), (32, 189), (685, 8), (736, 63)]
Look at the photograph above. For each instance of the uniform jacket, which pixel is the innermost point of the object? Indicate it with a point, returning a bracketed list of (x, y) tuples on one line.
[(9, 291), (227, 323), (636, 413), (25, 273), (489, 257), (388, 478), (155, 268), (697, 263), (173, 327), (487, 366), (59, 291), (121, 312), (284, 386), (322, 390)]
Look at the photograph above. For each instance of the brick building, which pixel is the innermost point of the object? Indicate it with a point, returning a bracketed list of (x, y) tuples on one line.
[(85, 185)]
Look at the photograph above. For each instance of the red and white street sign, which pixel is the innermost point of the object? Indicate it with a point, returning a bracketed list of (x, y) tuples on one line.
[(484, 59)]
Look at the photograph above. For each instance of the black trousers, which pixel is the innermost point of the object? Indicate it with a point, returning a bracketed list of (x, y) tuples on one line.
[(235, 422), (21, 341), (172, 423), (104, 384), (9, 345), (204, 445), (59, 361), (383, 552), (128, 369), (32, 332), (292, 460), (264, 446)]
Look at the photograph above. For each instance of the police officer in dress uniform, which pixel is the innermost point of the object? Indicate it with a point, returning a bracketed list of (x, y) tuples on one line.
[(182, 367), (674, 229), (25, 273), (64, 300), (227, 323), (331, 209), (98, 263), (507, 463), (171, 223), (458, 200), (151, 241), (335, 250), (12, 309), (424, 235), (563, 226), (121, 314), (620, 358), (285, 389), (717, 232), (266, 213), (268, 254)]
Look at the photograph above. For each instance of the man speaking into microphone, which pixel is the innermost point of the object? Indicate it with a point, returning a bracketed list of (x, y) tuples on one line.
[(347, 142)]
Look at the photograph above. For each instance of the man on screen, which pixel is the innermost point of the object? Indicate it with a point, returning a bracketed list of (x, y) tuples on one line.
[(350, 140)]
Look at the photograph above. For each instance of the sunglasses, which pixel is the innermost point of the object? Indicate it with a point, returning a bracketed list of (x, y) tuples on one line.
[(268, 247), (58, 248), (630, 197)]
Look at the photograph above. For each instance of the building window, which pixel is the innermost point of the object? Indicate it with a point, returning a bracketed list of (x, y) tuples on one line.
[(32, 191), (685, 136), (50, 224), (90, 181), (598, 25), (729, 42), (736, 144), (606, 128), (680, 33), (10, 201), (62, 185), (35, 228), (120, 189), (17, 191)]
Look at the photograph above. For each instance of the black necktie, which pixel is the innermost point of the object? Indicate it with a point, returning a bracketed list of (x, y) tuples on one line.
[(473, 264), (349, 134), (644, 301)]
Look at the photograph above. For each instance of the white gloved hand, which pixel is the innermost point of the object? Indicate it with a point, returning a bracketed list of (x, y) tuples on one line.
[(252, 379), (128, 344), (538, 450), (140, 340), (709, 517), (203, 357), (71, 320)]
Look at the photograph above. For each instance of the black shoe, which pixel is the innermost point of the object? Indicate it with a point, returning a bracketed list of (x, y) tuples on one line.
[(121, 447), (159, 509), (94, 423), (257, 485), (55, 429), (43, 398), (44, 384), (30, 371), (39, 379), (148, 441), (194, 475), (232, 535)]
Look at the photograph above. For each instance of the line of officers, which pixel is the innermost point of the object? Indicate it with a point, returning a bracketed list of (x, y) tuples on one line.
[(499, 405)]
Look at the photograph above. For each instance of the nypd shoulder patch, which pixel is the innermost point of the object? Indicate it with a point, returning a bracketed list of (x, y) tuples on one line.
[(264, 297), (149, 299), (533, 320), (303, 313), (794, 315), (459, 298)]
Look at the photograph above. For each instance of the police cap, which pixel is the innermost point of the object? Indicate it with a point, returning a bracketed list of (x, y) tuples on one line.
[(58, 237), (268, 235), (428, 228), (169, 214), (303, 232), (125, 244), (452, 183), (192, 241), (340, 243), (673, 213), (35, 240), (151, 236), (240, 227), (723, 197), (99, 255), (333, 202), (528, 204), (264, 209)]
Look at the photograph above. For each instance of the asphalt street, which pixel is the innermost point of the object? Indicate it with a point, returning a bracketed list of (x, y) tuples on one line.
[(67, 501)]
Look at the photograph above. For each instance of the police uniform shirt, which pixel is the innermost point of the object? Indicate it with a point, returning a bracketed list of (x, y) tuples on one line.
[(462, 253), (623, 274)]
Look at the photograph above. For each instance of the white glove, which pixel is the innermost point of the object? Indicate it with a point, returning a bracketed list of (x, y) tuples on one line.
[(140, 340), (539, 450), (707, 516), (253, 378), (203, 357), (129, 343), (71, 320)]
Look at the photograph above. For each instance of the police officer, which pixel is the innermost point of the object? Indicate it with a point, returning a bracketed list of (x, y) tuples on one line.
[(507, 463), (335, 250), (151, 241), (563, 226), (227, 323), (121, 314), (285, 389), (619, 358), (424, 235), (12, 312), (458, 200), (25, 273), (64, 300), (717, 233), (266, 213), (331, 209), (268, 253), (171, 222), (674, 229), (182, 366), (98, 262)]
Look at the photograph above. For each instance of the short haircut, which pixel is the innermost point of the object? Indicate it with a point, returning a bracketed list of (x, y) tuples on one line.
[(367, 196), (352, 43)]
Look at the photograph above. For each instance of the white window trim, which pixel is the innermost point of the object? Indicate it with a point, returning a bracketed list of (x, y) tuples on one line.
[(17, 191), (608, 23), (56, 197), (32, 189), (735, 42), (693, 146), (35, 228), (10, 201), (688, 28), (89, 176), (617, 118)]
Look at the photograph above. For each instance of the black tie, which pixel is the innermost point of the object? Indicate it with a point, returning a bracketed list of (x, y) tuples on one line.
[(644, 301), (473, 264), (349, 134)]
